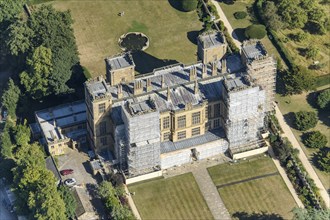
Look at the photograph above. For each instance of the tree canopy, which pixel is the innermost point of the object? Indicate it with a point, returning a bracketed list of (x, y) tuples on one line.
[(255, 31), (305, 120), (315, 139), (323, 99), (36, 78), (323, 159), (298, 80), (307, 214), (46, 38), (10, 98)]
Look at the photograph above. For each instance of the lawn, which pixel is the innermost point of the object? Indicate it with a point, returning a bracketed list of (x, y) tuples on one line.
[(173, 198), (98, 27), (265, 195), (306, 102), (240, 25)]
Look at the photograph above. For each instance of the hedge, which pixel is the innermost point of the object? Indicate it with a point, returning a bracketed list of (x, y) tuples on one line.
[(240, 14)]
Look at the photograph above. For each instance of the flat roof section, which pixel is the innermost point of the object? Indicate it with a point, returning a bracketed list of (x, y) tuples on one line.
[(211, 39), (209, 136), (120, 62), (254, 50)]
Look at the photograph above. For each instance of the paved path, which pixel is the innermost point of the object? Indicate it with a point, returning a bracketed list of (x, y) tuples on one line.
[(132, 204), (225, 21), (285, 178), (210, 194), (205, 183), (287, 132)]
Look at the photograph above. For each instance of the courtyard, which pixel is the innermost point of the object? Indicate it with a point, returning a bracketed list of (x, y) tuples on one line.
[(253, 188), (98, 27), (176, 197)]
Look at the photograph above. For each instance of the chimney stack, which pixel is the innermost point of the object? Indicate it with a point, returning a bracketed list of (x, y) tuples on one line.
[(214, 68), (192, 74), (223, 66), (204, 71), (196, 88), (168, 94), (149, 87), (120, 91), (163, 81), (138, 89)]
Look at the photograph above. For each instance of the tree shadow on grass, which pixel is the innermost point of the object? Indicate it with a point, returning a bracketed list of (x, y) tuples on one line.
[(146, 63), (257, 216), (240, 33), (192, 36), (175, 4), (289, 119)]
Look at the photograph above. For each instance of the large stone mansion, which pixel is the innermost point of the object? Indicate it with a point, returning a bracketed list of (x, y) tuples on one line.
[(177, 113)]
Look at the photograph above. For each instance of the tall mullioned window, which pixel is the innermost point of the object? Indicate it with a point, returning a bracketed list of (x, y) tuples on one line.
[(166, 122), (103, 128), (195, 131), (196, 118), (217, 110), (101, 108), (182, 121), (181, 135), (104, 140), (209, 111), (166, 136)]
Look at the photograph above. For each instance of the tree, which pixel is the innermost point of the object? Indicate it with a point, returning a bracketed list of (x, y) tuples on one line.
[(10, 98), (240, 14), (293, 15), (315, 139), (323, 159), (22, 134), (270, 16), (188, 5), (307, 214), (323, 99), (304, 120), (69, 200), (10, 9), (311, 52), (255, 31), (19, 38), (36, 79), (53, 30), (298, 79)]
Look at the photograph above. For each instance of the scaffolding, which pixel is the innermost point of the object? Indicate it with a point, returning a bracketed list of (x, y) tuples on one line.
[(244, 111), (262, 69), (141, 123)]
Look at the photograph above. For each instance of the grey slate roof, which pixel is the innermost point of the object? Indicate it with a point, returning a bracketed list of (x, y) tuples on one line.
[(254, 50), (209, 136), (119, 62), (211, 39)]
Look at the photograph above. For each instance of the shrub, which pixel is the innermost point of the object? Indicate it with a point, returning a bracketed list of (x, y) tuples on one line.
[(255, 31), (188, 5), (323, 99), (240, 14), (312, 52), (315, 139), (304, 120), (323, 159)]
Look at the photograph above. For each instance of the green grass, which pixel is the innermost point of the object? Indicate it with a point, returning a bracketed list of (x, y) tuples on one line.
[(227, 173), (98, 27), (299, 102), (269, 194), (173, 198)]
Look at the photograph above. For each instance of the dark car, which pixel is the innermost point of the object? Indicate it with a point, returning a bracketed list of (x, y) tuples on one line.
[(66, 172), (70, 182)]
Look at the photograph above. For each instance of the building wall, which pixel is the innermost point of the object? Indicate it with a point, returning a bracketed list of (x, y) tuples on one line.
[(208, 55), (124, 75), (174, 129), (98, 121), (58, 148)]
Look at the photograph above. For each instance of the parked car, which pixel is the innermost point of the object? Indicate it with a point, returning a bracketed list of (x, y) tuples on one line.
[(66, 172), (70, 182)]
